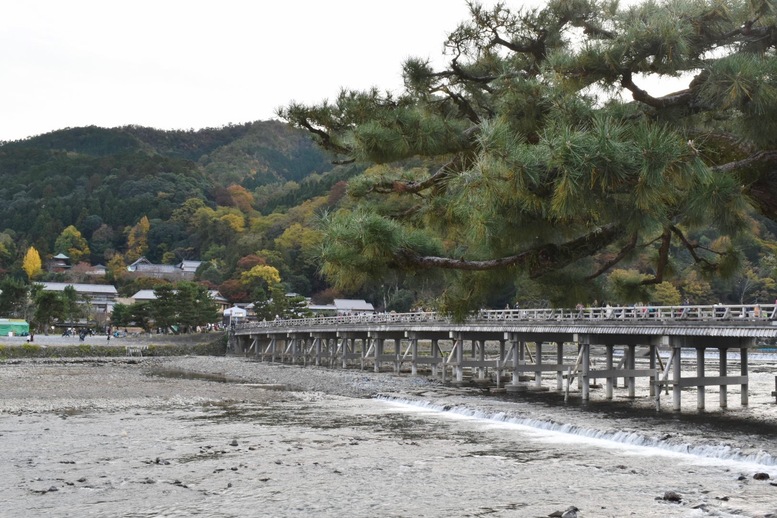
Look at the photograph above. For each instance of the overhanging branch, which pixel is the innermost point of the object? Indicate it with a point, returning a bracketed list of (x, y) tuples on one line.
[(536, 261)]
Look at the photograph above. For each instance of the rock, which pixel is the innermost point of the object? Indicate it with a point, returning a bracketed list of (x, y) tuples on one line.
[(671, 496), (761, 476), (53, 488), (569, 512)]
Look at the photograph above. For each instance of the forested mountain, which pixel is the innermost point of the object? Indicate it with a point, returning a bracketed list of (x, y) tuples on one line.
[(218, 195)]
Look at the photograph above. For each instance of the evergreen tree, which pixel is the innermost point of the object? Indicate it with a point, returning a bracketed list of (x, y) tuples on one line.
[(163, 308), (546, 142)]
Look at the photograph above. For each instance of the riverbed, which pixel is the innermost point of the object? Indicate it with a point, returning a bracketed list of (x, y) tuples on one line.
[(229, 437)]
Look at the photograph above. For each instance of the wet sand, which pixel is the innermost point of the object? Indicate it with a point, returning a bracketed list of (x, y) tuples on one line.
[(214, 436)]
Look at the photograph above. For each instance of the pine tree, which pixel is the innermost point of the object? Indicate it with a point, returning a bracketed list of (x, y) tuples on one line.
[(544, 149)]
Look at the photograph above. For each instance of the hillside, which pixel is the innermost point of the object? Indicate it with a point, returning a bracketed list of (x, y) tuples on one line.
[(168, 195), (116, 176)]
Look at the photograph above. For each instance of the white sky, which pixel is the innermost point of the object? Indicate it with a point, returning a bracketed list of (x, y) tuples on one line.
[(175, 64)]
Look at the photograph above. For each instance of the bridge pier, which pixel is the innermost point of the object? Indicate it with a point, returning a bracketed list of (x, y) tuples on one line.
[(702, 379)]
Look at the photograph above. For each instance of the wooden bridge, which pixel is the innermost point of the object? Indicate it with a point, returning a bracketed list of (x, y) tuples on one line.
[(519, 349)]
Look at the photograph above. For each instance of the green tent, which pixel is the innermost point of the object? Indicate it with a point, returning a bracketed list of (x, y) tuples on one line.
[(15, 326)]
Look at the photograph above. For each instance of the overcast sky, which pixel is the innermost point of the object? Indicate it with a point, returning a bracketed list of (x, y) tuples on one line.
[(174, 64)]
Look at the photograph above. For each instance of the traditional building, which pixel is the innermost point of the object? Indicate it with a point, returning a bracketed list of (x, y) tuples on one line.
[(183, 271), (100, 297), (148, 295)]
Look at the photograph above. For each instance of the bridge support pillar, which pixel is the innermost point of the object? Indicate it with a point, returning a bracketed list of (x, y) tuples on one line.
[(653, 352), (459, 348), (631, 365), (585, 366), (517, 348), (414, 353), (397, 355), (677, 375), (435, 357), (743, 370), (700, 389), (723, 371), (538, 363), (608, 383), (560, 364), (378, 343)]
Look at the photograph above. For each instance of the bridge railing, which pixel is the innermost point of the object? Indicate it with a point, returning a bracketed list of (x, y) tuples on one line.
[(636, 313)]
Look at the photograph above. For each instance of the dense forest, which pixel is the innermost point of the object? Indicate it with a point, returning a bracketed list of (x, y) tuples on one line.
[(238, 198)]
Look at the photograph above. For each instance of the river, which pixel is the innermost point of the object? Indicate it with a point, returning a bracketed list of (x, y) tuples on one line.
[(121, 440)]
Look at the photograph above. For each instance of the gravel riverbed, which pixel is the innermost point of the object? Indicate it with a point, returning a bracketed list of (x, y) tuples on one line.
[(230, 437)]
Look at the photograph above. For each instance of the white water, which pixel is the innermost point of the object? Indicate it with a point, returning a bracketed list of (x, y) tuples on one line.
[(626, 442)]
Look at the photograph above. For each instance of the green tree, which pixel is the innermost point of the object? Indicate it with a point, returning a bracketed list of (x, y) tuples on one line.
[(13, 297), (49, 308), (260, 280), (195, 305), (279, 304), (72, 243), (142, 315), (666, 294), (163, 307), (72, 308), (121, 315), (7, 248), (543, 144)]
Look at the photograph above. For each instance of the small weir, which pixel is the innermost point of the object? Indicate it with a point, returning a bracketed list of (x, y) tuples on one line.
[(605, 438)]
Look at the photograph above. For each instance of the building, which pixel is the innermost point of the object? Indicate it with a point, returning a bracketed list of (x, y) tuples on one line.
[(101, 297), (59, 263), (183, 271), (148, 295), (352, 306)]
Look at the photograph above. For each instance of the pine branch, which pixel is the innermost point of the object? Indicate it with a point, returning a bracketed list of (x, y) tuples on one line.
[(638, 94), (765, 156), (397, 186), (325, 139), (537, 261), (691, 247), (663, 259), (631, 245)]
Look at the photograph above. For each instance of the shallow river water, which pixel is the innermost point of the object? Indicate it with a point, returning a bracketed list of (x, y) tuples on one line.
[(153, 447)]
